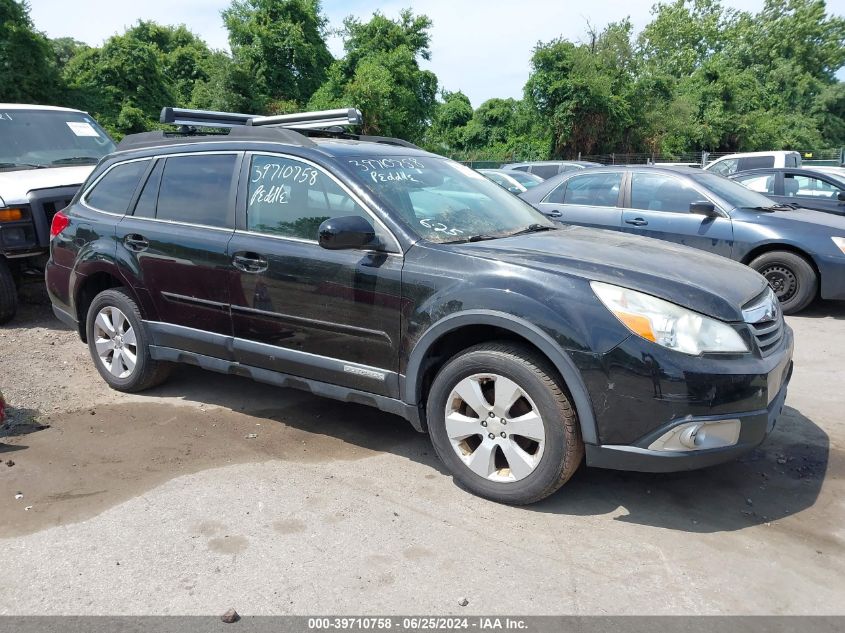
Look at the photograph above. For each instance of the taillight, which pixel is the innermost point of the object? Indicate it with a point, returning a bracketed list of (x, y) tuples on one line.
[(59, 224)]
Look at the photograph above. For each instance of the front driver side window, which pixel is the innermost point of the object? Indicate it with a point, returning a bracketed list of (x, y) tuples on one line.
[(764, 183), (291, 198), (658, 192), (725, 167)]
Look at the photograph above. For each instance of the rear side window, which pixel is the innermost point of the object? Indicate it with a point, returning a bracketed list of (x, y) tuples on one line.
[(197, 189), (544, 171), (756, 162), (115, 190), (593, 190), (791, 160)]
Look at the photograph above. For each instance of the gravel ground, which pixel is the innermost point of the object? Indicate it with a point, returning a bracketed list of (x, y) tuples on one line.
[(213, 491)]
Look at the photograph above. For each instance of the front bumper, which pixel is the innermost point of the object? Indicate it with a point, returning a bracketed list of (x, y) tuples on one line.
[(640, 394), (832, 271), (755, 426)]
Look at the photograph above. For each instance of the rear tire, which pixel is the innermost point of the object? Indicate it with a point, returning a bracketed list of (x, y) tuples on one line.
[(119, 343), (791, 277), (519, 441), (8, 293)]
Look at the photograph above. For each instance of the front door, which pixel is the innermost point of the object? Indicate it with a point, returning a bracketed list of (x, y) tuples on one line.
[(658, 206), (299, 309), (175, 246)]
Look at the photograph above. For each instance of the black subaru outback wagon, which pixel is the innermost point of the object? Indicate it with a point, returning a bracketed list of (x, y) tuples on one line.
[(373, 272)]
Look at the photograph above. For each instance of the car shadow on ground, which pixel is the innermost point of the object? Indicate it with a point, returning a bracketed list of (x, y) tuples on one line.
[(780, 478), (821, 309)]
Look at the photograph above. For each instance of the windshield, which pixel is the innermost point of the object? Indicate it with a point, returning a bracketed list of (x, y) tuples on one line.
[(443, 201), (525, 179), (736, 195), (30, 139)]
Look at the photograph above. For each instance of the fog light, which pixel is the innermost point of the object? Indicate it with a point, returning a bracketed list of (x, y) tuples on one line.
[(697, 436)]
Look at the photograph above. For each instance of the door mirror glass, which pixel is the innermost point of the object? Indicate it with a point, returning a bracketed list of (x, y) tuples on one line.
[(841, 196), (702, 207), (347, 232)]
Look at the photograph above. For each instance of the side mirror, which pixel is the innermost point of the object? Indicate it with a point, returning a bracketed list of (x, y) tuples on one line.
[(841, 196), (707, 209), (514, 189), (347, 232)]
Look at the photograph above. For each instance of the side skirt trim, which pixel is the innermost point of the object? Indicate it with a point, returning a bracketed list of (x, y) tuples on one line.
[(335, 392)]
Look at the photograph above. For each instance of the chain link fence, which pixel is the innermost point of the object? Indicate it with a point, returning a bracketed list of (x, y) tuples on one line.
[(831, 156)]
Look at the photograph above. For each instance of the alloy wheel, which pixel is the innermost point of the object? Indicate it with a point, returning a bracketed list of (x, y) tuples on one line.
[(115, 342), (494, 427)]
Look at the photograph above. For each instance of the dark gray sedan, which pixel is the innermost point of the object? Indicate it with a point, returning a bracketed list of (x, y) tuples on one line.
[(801, 252), (808, 188)]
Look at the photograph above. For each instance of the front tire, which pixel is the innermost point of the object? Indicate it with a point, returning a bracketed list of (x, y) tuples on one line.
[(791, 277), (119, 343), (8, 293), (502, 423)]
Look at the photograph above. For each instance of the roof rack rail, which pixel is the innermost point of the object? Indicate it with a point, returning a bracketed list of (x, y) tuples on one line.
[(322, 119)]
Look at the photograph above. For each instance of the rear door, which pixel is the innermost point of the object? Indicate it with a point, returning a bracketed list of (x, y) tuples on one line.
[(590, 199), (658, 206), (174, 247)]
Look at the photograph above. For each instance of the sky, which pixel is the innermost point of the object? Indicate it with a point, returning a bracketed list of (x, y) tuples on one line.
[(481, 47)]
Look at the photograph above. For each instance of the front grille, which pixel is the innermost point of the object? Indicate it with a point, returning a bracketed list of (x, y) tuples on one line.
[(768, 334), (765, 318)]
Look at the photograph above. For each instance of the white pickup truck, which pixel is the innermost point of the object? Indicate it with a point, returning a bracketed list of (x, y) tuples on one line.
[(46, 153)]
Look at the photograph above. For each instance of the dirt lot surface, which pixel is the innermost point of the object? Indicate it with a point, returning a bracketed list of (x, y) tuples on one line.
[(213, 491)]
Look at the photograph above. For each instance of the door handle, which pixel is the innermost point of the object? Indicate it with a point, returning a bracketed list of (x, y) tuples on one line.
[(637, 222), (136, 243), (249, 262), (553, 213)]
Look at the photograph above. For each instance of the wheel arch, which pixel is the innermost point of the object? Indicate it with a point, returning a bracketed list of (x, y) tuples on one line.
[(465, 329), (781, 246), (88, 288)]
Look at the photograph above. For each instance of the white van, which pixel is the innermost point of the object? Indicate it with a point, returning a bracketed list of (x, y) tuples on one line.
[(732, 163), (46, 153)]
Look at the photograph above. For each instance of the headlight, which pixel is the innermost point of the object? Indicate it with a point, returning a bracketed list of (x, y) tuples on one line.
[(840, 243), (668, 324)]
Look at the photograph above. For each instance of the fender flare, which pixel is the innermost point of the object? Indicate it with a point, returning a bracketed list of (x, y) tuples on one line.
[(540, 339)]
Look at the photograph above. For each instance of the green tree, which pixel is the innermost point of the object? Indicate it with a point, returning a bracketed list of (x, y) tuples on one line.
[(27, 72), (380, 75), (122, 84), (581, 91), (281, 44)]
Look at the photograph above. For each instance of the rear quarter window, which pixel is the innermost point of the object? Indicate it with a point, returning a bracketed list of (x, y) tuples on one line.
[(114, 191)]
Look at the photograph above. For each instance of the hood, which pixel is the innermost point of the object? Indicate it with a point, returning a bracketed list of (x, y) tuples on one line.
[(16, 185), (807, 217), (707, 283)]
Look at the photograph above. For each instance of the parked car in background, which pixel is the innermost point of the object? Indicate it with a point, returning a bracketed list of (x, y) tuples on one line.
[(830, 170), (800, 252), (46, 153), (548, 168), (732, 163), (513, 180), (380, 274), (807, 188)]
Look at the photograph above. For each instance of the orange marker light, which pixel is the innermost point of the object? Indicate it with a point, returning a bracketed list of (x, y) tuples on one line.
[(639, 325), (10, 215)]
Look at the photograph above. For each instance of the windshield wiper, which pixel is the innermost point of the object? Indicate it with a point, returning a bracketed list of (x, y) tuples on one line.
[(775, 207), (473, 238), (91, 160), (534, 228), (32, 165)]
